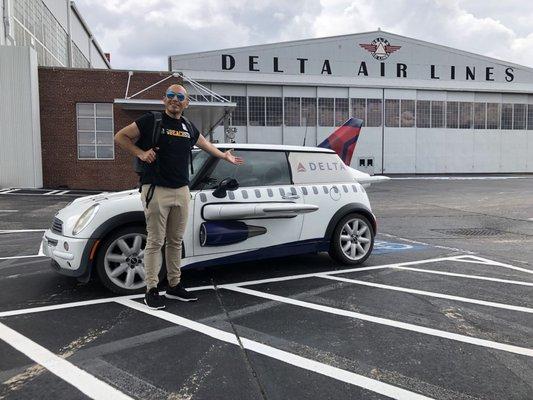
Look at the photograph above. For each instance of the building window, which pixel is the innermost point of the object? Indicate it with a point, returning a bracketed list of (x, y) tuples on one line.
[(530, 116), (493, 116), (519, 116), (373, 112), (407, 113), (465, 115), (308, 111), (95, 131), (78, 59), (341, 111), (238, 117), (44, 33), (452, 115), (274, 111), (257, 111), (292, 111), (359, 109), (480, 111), (507, 116), (325, 112), (437, 114), (423, 113), (392, 113)]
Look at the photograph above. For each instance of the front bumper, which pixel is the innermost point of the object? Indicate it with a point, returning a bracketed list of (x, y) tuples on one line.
[(71, 262)]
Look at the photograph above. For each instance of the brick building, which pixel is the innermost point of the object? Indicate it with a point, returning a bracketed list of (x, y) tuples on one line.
[(82, 109), (60, 91)]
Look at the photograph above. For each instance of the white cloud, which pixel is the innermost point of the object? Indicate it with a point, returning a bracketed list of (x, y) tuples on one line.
[(140, 34)]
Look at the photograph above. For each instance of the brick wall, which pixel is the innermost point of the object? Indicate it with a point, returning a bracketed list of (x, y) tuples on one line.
[(59, 91)]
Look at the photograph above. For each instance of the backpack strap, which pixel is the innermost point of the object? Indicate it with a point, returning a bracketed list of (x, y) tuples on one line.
[(156, 135), (192, 131)]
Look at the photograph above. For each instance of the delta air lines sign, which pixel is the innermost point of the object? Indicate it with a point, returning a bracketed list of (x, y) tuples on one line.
[(381, 64)]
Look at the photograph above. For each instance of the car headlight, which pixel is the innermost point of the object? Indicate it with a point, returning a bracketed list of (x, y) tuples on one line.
[(85, 218)]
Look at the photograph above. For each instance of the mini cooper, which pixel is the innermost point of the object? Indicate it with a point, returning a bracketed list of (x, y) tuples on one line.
[(284, 200)]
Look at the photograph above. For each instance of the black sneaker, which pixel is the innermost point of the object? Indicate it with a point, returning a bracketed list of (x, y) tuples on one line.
[(153, 300), (178, 292)]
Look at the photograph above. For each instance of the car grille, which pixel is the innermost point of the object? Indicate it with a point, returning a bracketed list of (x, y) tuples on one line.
[(51, 241), (57, 226)]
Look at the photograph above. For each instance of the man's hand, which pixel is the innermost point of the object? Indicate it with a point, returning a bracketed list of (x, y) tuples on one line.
[(147, 156), (233, 159)]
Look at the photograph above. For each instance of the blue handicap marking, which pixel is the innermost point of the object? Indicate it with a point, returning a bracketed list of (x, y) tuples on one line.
[(381, 246)]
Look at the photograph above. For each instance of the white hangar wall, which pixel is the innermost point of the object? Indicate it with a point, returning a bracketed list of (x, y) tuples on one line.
[(427, 108)]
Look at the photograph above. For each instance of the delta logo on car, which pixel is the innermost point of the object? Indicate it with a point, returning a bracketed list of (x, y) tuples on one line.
[(321, 166)]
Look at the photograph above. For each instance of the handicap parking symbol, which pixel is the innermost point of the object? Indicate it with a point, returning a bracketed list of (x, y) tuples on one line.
[(383, 246)]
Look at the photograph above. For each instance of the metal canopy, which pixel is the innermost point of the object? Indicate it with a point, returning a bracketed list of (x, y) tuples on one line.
[(206, 110), (205, 115)]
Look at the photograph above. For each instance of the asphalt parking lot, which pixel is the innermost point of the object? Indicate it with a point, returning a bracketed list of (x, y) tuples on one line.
[(442, 309)]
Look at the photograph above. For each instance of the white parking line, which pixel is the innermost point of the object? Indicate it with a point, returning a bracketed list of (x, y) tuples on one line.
[(385, 321), (340, 271), (486, 261), (81, 380), (284, 356), (244, 283), (51, 193), (429, 294), (62, 306), (9, 211), (8, 191), (478, 277)]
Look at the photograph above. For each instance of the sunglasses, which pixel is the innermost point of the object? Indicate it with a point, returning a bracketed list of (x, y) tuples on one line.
[(178, 96)]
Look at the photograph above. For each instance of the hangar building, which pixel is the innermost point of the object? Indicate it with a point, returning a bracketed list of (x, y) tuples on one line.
[(427, 108)]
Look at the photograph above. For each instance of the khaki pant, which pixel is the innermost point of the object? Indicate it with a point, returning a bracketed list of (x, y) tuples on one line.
[(166, 215)]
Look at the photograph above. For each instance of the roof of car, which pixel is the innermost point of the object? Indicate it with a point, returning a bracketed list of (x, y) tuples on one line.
[(279, 147)]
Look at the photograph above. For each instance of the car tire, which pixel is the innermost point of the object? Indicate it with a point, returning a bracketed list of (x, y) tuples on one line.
[(119, 263), (352, 240)]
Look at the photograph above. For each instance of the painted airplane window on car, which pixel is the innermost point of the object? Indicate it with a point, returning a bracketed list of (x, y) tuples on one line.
[(261, 168)]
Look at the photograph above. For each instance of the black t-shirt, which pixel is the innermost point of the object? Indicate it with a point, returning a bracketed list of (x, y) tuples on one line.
[(173, 156)]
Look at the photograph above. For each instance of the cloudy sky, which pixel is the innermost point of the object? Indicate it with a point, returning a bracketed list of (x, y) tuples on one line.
[(140, 34)]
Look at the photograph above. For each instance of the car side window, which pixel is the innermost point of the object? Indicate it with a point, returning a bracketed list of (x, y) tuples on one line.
[(260, 168)]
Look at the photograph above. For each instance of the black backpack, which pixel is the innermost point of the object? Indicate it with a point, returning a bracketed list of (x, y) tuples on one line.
[(140, 167)]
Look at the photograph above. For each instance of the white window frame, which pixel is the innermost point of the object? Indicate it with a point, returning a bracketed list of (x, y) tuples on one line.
[(94, 130)]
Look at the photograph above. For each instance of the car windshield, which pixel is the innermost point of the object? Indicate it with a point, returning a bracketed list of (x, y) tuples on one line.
[(198, 160)]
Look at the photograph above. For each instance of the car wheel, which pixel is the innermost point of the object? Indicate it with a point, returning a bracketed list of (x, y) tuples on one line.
[(120, 262), (352, 240)]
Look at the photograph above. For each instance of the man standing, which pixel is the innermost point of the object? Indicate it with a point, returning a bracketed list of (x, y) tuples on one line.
[(164, 187)]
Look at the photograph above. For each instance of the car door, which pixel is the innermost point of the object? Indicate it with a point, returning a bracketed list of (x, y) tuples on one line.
[(325, 182), (265, 211)]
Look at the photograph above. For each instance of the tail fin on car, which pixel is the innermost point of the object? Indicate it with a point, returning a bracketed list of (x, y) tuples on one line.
[(344, 139)]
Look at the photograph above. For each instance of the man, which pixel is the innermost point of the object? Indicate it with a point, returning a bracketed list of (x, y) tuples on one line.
[(164, 188)]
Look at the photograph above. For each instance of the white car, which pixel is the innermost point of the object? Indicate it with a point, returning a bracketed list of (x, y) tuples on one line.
[(284, 200)]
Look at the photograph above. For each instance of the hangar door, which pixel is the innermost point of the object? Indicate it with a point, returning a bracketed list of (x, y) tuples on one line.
[(399, 132)]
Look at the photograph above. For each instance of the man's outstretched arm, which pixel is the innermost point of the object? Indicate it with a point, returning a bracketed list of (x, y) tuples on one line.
[(205, 145)]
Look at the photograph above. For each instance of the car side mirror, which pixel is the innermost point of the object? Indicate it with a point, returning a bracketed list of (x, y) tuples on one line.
[(225, 185)]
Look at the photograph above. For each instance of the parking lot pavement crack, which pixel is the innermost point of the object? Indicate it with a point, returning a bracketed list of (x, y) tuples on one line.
[(357, 366), (247, 360)]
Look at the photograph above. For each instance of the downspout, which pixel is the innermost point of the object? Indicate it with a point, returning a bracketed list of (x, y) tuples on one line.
[(6, 8)]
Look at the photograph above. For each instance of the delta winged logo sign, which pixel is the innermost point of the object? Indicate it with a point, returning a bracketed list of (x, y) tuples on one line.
[(301, 168), (380, 48)]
